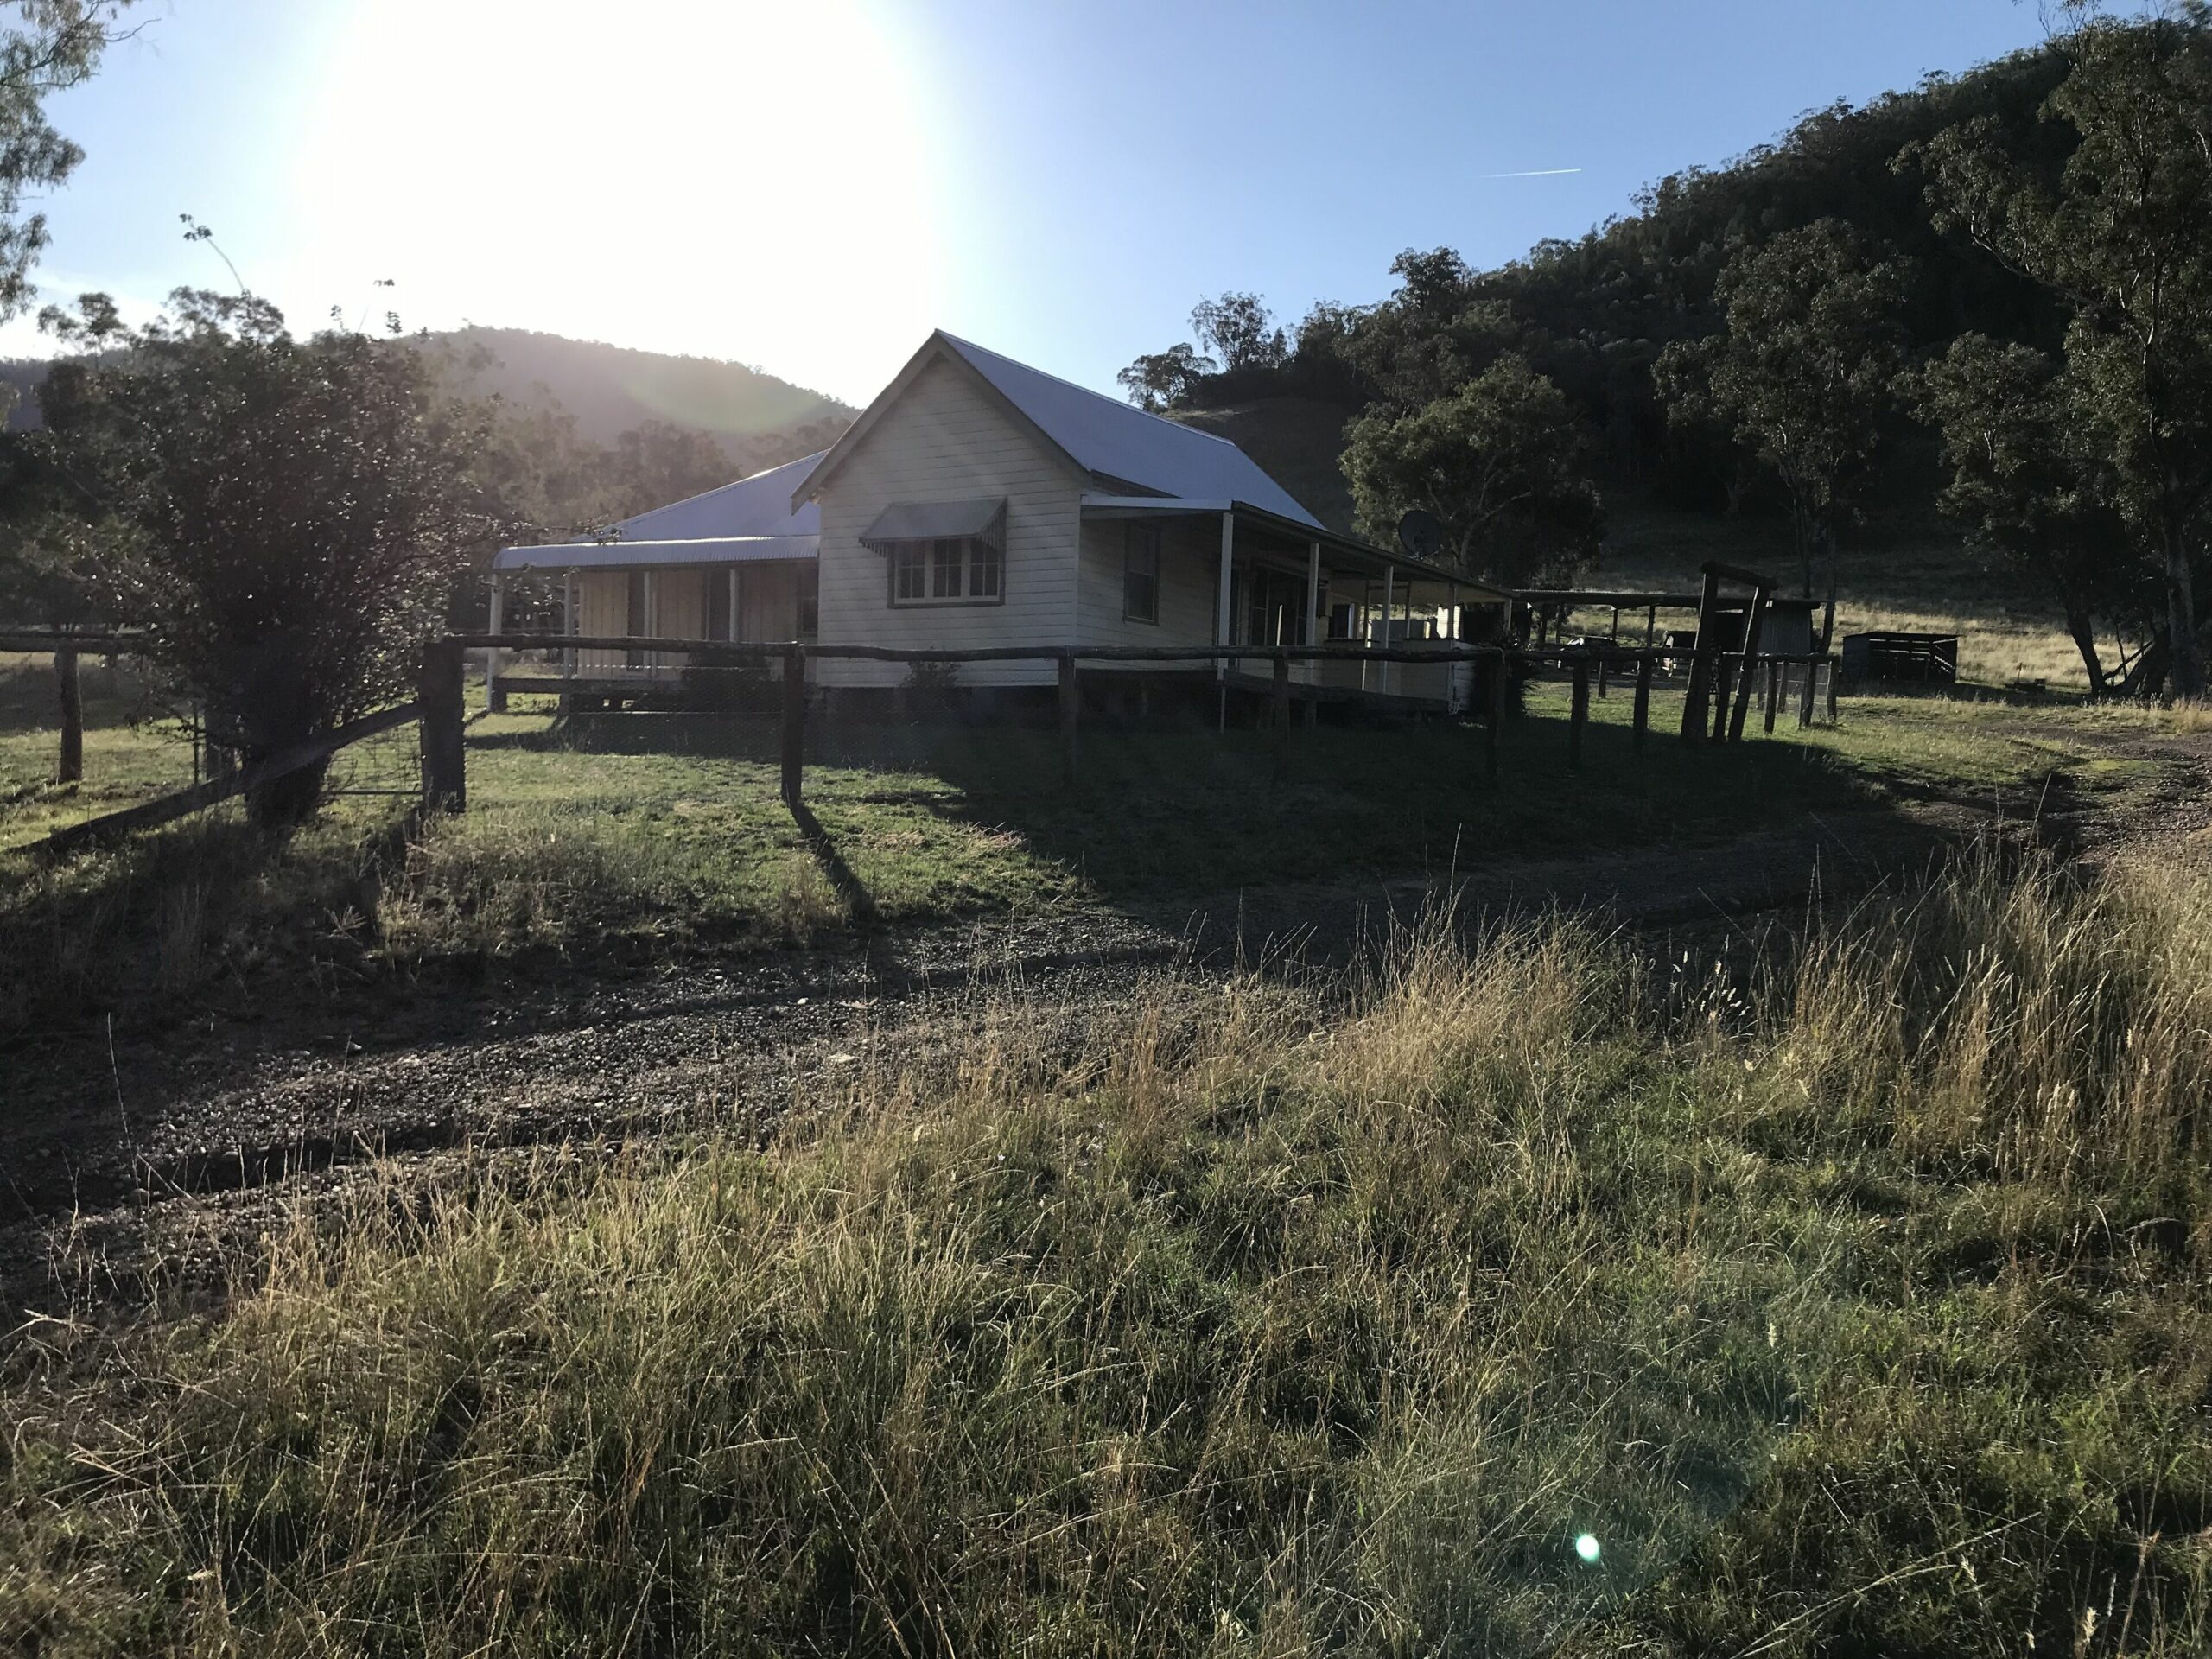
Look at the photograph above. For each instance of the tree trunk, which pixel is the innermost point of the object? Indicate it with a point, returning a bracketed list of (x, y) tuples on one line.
[(2187, 679), (1804, 532), (2084, 631), (1828, 616), (287, 802)]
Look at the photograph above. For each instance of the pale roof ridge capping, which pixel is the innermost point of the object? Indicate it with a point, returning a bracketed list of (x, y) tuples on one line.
[(1123, 404)]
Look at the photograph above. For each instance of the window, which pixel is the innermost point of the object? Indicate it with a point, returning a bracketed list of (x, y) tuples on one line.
[(983, 560), (809, 602), (948, 571), (909, 573), (1141, 573)]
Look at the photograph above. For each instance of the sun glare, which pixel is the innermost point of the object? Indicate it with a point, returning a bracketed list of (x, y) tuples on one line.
[(750, 180)]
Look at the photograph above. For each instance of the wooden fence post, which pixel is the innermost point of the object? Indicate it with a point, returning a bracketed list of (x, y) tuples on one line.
[(794, 721), (1832, 674), (1805, 701), (71, 767), (1703, 658), (1642, 720), (495, 700), (1070, 713), (1578, 716), (1496, 714), (444, 725), (1279, 714), (1773, 694), (1754, 627)]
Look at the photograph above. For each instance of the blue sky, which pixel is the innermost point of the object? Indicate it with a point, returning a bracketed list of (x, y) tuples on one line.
[(811, 187)]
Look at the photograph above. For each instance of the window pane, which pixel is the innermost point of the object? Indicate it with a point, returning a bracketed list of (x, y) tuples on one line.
[(982, 571), (944, 571), (1139, 597), (907, 563), (1141, 573)]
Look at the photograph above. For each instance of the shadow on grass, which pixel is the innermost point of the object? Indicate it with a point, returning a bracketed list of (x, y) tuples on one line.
[(859, 902), (1170, 814)]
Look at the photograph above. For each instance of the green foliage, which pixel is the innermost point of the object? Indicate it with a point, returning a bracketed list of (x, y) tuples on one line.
[(48, 47), (282, 517), (1159, 380), (2033, 485), (2120, 237), (1801, 371), (1241, 332), (1502, 461)]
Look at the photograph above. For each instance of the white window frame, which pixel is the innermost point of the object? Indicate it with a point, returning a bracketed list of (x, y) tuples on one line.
[(973, 560)]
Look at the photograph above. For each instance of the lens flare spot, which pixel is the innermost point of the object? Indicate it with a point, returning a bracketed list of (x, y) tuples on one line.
[(1585, 1546)]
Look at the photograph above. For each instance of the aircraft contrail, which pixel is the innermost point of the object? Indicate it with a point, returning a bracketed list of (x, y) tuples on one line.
[(1533, 173)]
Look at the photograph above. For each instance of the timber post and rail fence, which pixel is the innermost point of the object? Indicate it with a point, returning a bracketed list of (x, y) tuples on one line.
[(1579, 661), (439, 704)]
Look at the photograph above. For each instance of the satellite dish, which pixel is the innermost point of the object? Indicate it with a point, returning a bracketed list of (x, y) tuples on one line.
[(1420, 534)]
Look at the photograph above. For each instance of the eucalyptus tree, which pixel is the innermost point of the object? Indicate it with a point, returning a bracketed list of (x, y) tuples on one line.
[(1159, 380), (1503, 461), (2123, 235), (2033, 486), (1241, 332), (1801, 372), (47, 47)]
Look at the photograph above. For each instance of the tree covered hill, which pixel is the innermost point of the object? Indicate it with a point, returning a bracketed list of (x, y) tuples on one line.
[(1594, 313), (607, 390), (611, 390)]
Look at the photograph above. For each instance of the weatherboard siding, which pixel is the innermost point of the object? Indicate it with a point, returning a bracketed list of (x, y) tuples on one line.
[(602, 607), (1190, 576), (950, 438)]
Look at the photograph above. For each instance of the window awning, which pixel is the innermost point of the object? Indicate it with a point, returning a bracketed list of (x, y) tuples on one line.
[(928, 521)]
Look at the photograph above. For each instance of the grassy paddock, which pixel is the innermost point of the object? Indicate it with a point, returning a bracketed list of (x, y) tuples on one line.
[(621, 835), (1858, 1308)]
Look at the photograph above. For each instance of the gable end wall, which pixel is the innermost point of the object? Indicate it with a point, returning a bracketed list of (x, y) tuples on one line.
[(948, 439)]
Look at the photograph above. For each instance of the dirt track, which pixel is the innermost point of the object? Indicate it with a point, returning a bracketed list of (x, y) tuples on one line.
[(228, 1105)]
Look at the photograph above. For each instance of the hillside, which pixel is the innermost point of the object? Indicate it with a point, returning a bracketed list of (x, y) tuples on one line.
[(1296, 439), (609, 390), (612, 390)]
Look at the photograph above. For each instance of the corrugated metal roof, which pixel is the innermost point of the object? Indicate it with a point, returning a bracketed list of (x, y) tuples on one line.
[(745, 512), (758, 505), (615, 555), (1119, 441)]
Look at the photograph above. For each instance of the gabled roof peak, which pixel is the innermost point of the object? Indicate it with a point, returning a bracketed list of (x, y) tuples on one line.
[(1111, 440), (971, 350)]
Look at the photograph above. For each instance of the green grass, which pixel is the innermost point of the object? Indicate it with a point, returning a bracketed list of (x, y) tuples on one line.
[(131, 751), (1856, 1307), (621, 836), (1911, 575)]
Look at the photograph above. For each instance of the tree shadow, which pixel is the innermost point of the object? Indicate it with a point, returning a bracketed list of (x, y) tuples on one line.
[(1157, 816)]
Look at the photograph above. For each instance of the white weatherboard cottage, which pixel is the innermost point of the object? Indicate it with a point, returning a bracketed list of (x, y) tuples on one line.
[(978, 502)]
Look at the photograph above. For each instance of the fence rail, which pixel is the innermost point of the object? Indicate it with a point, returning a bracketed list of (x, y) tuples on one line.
[(167, 808), (1727, 678), (1729, 674)]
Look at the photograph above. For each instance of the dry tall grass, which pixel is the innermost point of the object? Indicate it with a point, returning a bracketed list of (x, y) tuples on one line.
[(1245, 1320)]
